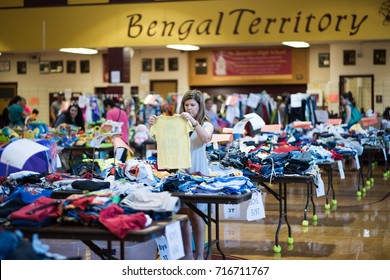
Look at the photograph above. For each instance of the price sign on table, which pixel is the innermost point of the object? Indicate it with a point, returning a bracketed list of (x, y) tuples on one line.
[(255, 210)]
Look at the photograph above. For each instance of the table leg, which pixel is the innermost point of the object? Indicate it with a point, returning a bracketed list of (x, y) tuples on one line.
[(305, 222), (210, 241), (312, 200), (217, 231), (328, 171), (369, 171), (331, 184), (277, 248), (285, 209), (104, 255), (361, 178), (122, 249)]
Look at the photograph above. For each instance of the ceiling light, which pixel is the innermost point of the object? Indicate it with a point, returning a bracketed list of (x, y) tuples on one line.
[(183, 47), (296, 44), (79, 50)]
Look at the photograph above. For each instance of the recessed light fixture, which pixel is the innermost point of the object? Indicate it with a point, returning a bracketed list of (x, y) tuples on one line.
[(296, 44), (79, 50), (183, 47)]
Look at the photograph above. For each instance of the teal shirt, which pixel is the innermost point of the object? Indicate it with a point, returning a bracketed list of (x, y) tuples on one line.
[(356, 116)]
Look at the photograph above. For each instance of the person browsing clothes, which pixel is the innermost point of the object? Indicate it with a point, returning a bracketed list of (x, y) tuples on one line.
[(72, 116), (350, 114), (193, 109)]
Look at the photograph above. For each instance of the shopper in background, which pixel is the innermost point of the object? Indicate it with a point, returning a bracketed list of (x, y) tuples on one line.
[(5, 113), (193, 109), (32, 117), (16, 112), (350, 114), (72, 116), (213, 116), (116, 114), (55, 107)]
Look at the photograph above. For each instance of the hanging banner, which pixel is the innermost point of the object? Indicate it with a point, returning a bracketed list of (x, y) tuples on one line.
[(222, 22), (256, 62)]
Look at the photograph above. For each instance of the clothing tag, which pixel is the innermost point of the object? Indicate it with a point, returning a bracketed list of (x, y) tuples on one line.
[(174, 240), (231, 211), (320, 189), (384, 153), (97, 140), (253, 100), (58, 160), (255, 210), (357, 162), (296, 100), (341, 169), (162, 246)]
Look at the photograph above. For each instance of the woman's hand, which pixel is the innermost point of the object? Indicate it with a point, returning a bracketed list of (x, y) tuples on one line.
[(188, 117), (152, 120)]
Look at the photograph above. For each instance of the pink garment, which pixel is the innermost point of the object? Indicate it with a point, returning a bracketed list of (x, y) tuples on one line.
[(118, 115), (28, 110)]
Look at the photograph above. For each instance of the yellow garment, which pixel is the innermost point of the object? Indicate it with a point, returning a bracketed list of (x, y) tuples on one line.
[(356, 127), (173, 142), (161, 174)]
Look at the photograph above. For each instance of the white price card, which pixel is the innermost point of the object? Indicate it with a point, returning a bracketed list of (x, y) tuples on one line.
[(320, 189), (256, 121), (174, 240), (239, 128), (253, 100), (255, 210), (97, 140), (58, 161), (341, 169), (357, 162), (231, 211), (162, 247)]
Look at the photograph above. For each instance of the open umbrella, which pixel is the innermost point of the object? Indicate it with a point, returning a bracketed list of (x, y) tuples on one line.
[(23, 154)]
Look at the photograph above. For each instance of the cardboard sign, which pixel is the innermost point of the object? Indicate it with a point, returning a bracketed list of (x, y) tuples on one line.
[(221, 138), (334, 121), (227, 130), (275, 128), (369, 121), (304, 125)]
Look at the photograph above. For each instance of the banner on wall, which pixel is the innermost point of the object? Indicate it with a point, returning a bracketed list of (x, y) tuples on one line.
[(254, 62), (223, 22)]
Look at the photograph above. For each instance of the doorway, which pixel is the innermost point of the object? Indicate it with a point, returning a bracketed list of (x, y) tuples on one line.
[(362, 88), (163, 87), (7, 92)]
